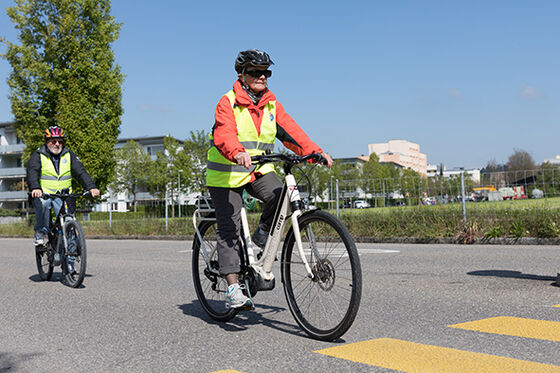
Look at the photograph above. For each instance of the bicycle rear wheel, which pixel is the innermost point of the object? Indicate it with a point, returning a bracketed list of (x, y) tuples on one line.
[(75, 251), (326, 305), (44, 260), (210, 287)]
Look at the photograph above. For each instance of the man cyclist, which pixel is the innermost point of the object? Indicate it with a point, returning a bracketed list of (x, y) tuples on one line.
[(248, 119), (50, 169)]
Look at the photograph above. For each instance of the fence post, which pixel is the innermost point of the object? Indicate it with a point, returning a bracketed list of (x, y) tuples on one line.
[(463, 195), (331, 193), (110, 211), (337, 204), (166, 213)]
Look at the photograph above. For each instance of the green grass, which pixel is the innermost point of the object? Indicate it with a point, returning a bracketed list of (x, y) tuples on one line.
[(525, 218)]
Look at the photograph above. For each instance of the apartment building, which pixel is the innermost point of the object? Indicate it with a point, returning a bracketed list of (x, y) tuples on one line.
[(13, 189), (473, 173), (123, 201), (401, 152), (13, 186), (555, 160)]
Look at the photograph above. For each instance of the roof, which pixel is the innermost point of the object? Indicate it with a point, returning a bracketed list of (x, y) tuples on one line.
[(147, 140), (7, 124)]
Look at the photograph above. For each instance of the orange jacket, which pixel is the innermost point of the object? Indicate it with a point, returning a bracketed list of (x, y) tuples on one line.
[(287, 130)]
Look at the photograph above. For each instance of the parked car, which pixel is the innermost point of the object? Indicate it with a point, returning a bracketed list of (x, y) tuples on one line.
[(360, 204)]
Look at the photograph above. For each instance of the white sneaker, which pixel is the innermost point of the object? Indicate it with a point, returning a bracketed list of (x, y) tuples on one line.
[(236, 299)]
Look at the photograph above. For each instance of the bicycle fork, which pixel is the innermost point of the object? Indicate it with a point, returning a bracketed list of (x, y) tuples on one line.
[(295, 199)]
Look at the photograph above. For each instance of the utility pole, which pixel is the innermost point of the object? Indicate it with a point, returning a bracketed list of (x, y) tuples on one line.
[(463, 195)]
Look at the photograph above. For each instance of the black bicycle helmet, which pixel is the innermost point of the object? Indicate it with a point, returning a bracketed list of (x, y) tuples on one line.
[(252, 57)]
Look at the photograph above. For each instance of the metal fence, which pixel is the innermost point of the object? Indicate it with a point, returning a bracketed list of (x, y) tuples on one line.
[(510, 185)]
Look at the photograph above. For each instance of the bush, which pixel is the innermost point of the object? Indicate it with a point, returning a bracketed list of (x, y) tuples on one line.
[(6, 212)]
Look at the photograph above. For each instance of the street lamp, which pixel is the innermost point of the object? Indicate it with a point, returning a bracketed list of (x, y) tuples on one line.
[(179, 190)]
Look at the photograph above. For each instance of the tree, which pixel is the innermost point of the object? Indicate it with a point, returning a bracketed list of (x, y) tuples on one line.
[(520, 160), (196, 147), (493, 166), (166, 170), (373, 174), (64, 74), (132, 168)]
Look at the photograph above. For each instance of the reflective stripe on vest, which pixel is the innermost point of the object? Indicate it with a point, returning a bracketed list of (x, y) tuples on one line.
[(253, 145), (50, 181), (220, 172)]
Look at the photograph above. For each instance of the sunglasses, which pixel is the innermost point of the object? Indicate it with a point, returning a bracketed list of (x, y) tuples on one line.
[(55, 142), (259, 73)]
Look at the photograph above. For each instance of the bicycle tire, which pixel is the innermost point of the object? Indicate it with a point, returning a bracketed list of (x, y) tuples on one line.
[(326, 305), (44, 260), (74, 235), (210, 289)]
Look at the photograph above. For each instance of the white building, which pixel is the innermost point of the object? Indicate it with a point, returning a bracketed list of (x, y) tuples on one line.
[(13, 186), (474, 173), (555, 160), (13, 189), (401, 152), (122, 202)]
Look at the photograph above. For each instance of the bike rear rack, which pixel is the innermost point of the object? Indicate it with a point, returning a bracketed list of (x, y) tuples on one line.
[(204, 209)]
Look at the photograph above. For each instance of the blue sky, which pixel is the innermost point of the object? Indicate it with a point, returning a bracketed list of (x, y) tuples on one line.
[(469, 81)]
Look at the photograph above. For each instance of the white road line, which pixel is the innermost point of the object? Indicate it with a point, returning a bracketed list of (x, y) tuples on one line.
[(376, 251)]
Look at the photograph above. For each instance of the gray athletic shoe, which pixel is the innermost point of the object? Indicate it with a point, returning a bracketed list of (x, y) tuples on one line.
[(70, 263), (236, 299), (40, 239)]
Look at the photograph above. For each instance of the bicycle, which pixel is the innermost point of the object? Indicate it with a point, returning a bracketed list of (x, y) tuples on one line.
[(319, 265), (66, 243)]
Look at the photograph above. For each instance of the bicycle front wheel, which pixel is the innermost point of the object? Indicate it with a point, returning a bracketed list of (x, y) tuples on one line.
[(326, 305), (44, 260), (74, 263), (210, 287)]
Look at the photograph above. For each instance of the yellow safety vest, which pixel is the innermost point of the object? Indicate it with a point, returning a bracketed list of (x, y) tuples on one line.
[(220, 172), (50, 181)]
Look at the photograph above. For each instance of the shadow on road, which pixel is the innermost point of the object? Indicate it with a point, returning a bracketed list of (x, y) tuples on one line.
[(9, 363), (56, 276), (245, 319), (510, 274)]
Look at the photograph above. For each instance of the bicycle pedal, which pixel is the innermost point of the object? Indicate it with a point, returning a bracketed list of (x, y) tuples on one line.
[(250, 306)]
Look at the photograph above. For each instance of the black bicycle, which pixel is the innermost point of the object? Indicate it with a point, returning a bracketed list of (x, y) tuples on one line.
[(66, 245)]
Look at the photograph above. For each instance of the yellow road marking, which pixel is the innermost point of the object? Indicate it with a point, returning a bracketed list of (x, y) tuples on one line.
[(415, 357), (558, 305), (515, 326), (227, 371)]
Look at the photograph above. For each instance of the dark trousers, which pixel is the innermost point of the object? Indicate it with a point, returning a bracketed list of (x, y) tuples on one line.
[(228, 203)]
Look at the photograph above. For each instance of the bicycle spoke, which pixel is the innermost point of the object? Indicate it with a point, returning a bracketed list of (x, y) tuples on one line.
[(325, 305)]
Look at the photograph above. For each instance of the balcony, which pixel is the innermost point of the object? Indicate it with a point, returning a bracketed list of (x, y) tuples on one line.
[(145, 196), (18, 195), (12, 149), (11, 173)]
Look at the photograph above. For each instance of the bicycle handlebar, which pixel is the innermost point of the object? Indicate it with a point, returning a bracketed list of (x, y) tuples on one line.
[(65, 195), (287, 158)]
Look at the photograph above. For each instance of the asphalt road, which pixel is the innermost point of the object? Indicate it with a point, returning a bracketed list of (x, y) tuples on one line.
[(138, 312)]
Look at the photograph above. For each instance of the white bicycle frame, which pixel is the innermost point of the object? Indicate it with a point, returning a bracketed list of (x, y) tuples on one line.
[(263, 266)]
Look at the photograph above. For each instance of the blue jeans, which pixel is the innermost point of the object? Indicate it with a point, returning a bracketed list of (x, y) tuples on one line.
[(43, 212)]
